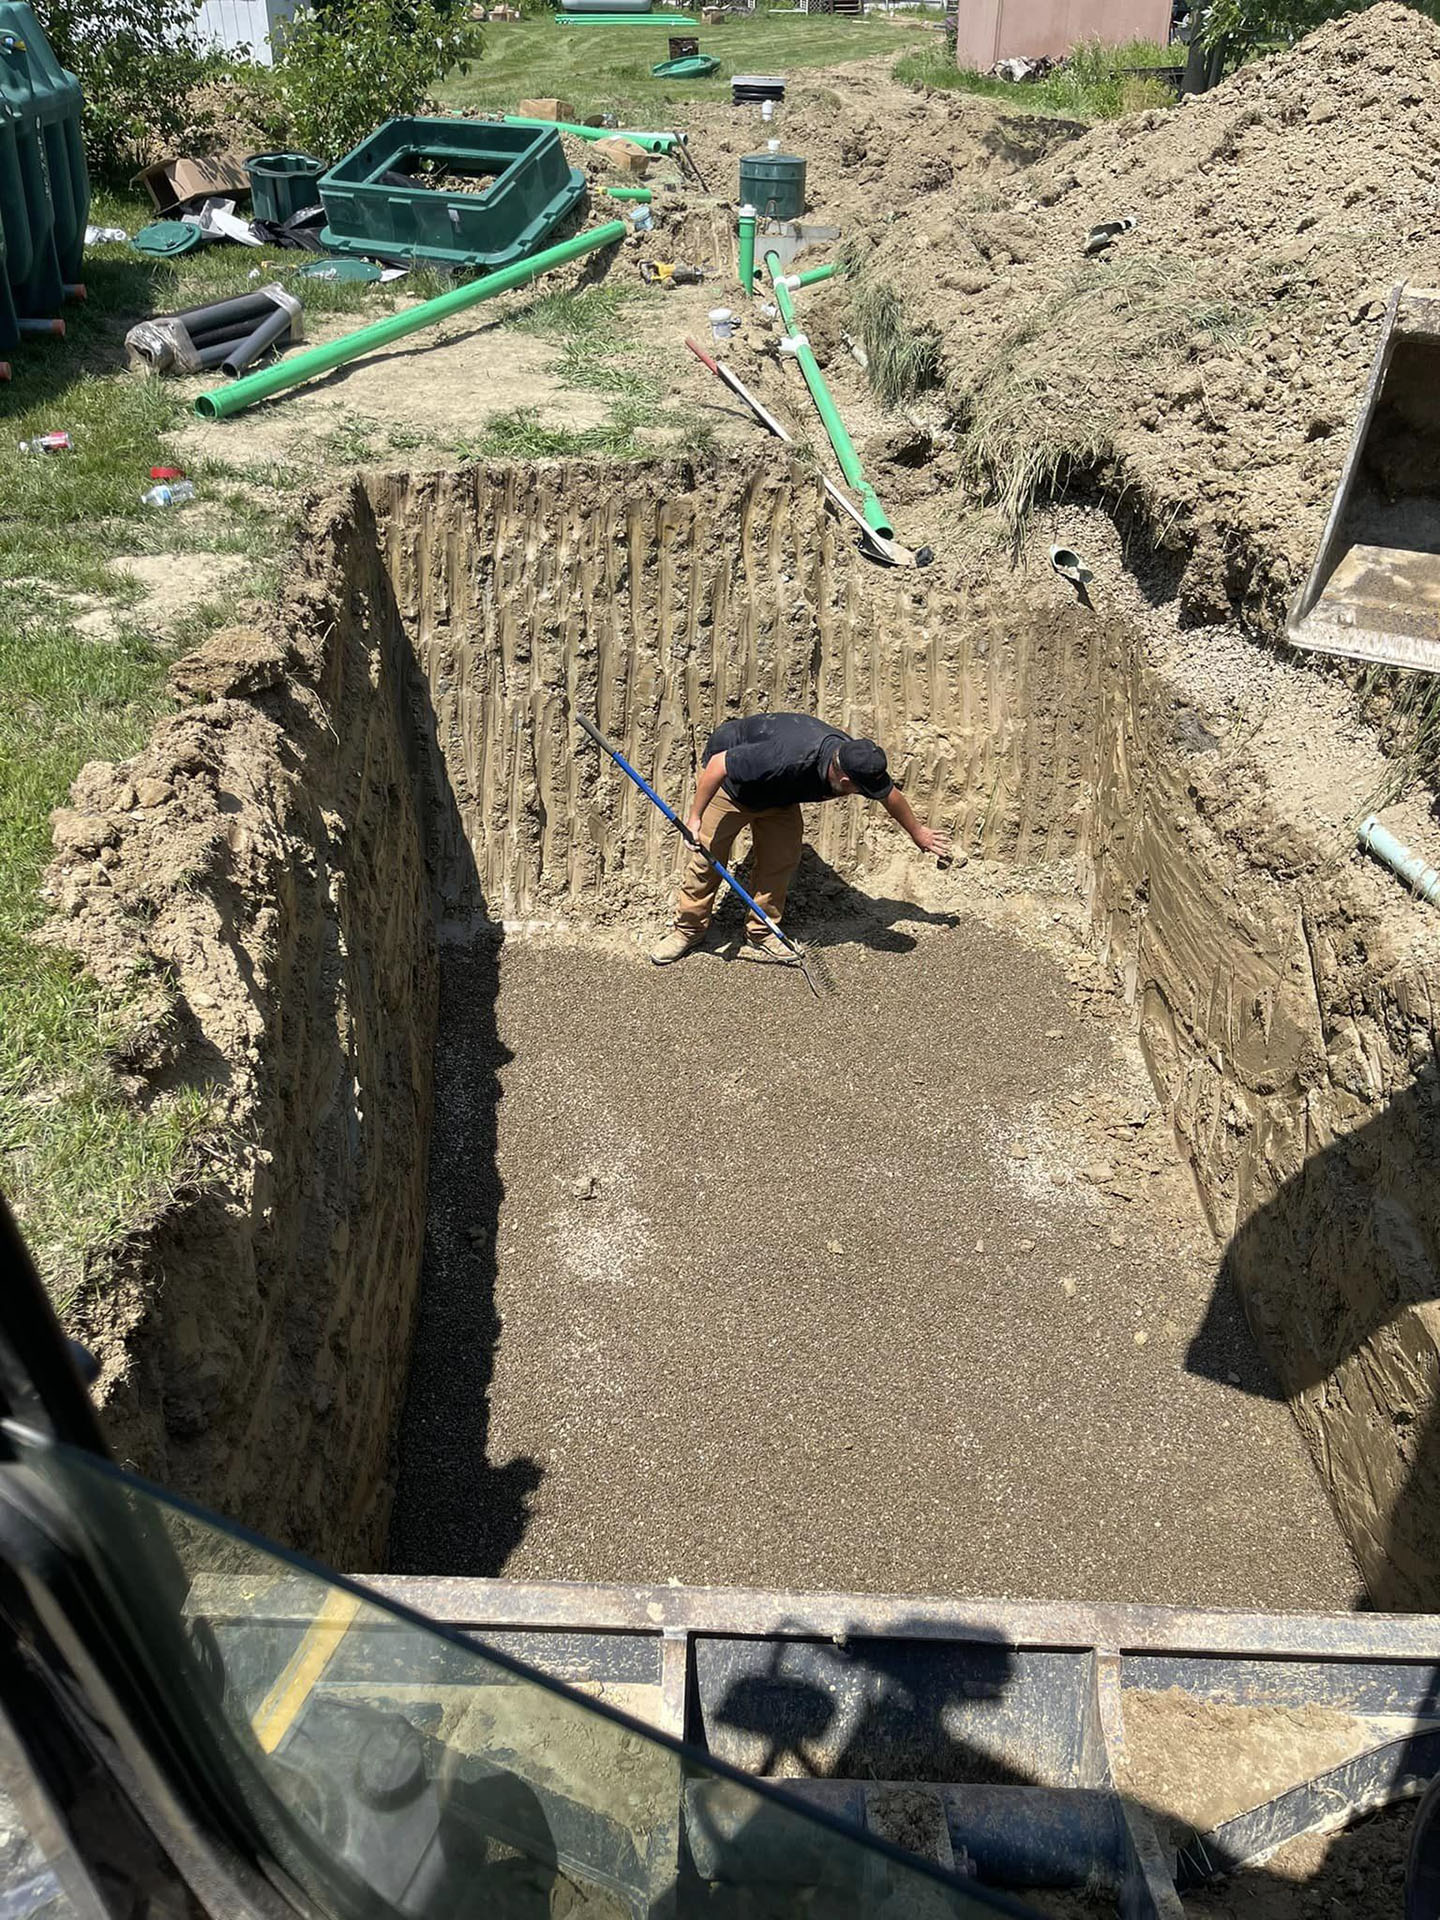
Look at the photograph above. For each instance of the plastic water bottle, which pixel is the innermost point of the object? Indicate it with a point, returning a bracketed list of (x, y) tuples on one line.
[(58, 442), (168, 494)]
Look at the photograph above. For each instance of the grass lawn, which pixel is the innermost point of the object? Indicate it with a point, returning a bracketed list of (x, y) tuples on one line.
[(76, 1159), (599, 69)]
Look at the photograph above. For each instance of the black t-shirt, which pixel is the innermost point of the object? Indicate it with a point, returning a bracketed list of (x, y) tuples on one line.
[(776, 759)]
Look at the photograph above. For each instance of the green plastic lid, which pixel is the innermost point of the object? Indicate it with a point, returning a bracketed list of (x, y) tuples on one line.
[(341, 269), (163, 239)]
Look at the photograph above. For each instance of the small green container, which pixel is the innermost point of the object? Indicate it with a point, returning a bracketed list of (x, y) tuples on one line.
[(282, 183), (774, 184)]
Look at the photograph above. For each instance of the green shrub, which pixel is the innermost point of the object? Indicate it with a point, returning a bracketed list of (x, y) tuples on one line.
[(342, 72), (142, 72)]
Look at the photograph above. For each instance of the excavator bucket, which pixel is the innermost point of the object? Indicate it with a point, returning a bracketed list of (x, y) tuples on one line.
[(1374, 591)]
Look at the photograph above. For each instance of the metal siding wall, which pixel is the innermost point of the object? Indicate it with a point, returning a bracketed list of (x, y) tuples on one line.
[(243, 23)]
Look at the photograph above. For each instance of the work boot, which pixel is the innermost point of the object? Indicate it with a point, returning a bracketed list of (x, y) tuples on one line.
[(673, 947), (769, 950)]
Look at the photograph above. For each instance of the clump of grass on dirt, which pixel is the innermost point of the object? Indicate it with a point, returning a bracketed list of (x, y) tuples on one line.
[(1405, 707), (902, 359), (1037, 412), (1095, 83)]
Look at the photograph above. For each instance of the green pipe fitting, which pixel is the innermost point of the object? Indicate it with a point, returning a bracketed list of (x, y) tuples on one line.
[(629, 193), (300, 367), (875, 515), (651, 142), (747, 250)]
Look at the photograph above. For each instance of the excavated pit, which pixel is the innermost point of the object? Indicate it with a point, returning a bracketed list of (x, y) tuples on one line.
[(529, 1259)]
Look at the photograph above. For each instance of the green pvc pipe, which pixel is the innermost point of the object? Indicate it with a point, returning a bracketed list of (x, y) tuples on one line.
[(814, 274), (300, 367), (875, 515), (747, 251), (651, 142), (629, 193)]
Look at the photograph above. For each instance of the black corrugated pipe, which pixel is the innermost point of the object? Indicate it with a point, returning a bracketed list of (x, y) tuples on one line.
[(222, 336), (219, 353), (265, 335), (247, 306)]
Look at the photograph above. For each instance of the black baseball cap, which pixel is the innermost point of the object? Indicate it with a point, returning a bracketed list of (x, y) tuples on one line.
[(865, 764)]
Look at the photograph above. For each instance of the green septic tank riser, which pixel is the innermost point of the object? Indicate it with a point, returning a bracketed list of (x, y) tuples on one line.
[(44, 186), (774, 184)]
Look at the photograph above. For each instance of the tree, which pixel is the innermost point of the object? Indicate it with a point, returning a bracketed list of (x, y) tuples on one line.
[(140, 67), (342, 72)]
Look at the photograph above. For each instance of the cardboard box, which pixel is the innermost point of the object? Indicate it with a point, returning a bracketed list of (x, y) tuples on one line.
[(624, 156), (175, 183), (546, 110)]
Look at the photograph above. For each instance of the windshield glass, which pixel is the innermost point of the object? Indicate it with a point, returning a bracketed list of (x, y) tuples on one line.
[(390, 1766)]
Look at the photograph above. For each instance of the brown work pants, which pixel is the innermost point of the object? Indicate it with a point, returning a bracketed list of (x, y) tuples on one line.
[(776, 836)]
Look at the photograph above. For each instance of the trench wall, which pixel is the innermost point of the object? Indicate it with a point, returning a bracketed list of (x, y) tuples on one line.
[(660, 602), (398, 754), (1291, 1030), (268, 873)]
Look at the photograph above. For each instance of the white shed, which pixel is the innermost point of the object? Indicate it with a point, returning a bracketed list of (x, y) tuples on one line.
[(247, 24)]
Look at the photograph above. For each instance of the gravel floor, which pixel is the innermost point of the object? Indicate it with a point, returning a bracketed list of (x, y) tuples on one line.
[(731, 1286)]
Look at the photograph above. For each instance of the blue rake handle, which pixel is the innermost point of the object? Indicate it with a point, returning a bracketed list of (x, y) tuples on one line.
[(685, 833)]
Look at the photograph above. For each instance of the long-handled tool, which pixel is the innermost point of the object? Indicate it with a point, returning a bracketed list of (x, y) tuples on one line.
[(803, 960), (886, 549)]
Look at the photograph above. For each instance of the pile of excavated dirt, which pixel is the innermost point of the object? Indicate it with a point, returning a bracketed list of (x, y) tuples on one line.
[(1211, 361)]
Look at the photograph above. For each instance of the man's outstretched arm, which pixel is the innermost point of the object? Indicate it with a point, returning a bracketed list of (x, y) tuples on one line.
[(903, 814), (706, 788)]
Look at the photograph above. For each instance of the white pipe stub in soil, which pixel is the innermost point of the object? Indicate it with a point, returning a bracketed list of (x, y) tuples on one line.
[(1070, 566)]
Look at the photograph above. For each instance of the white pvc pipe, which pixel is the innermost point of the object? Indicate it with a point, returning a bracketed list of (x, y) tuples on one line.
[(1422, 879)]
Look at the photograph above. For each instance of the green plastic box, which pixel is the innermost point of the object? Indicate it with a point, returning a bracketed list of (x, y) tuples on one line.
[(377, 201), (44, 186), (283, 184)]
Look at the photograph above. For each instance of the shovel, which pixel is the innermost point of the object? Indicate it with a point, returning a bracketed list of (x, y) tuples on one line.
[(802, 960)]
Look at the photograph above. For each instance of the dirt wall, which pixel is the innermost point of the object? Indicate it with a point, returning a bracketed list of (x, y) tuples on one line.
[(661, 601), (262, 860), (1289, 1025)]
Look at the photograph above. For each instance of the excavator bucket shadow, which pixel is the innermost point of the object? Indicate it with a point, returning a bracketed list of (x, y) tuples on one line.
[(1374, 591)]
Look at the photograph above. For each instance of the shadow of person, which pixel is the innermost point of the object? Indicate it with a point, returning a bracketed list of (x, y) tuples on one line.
[(1339, 1276), (824, 909)]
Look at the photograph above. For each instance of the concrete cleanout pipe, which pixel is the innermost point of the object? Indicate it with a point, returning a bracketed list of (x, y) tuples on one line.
[(1393, 853), (799, 346), (650, 142), (224, 401)]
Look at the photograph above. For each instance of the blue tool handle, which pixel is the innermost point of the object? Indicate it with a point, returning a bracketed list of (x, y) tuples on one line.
[(675, 821)]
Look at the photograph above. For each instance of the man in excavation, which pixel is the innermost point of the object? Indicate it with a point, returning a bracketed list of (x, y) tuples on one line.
[(758, 772)]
